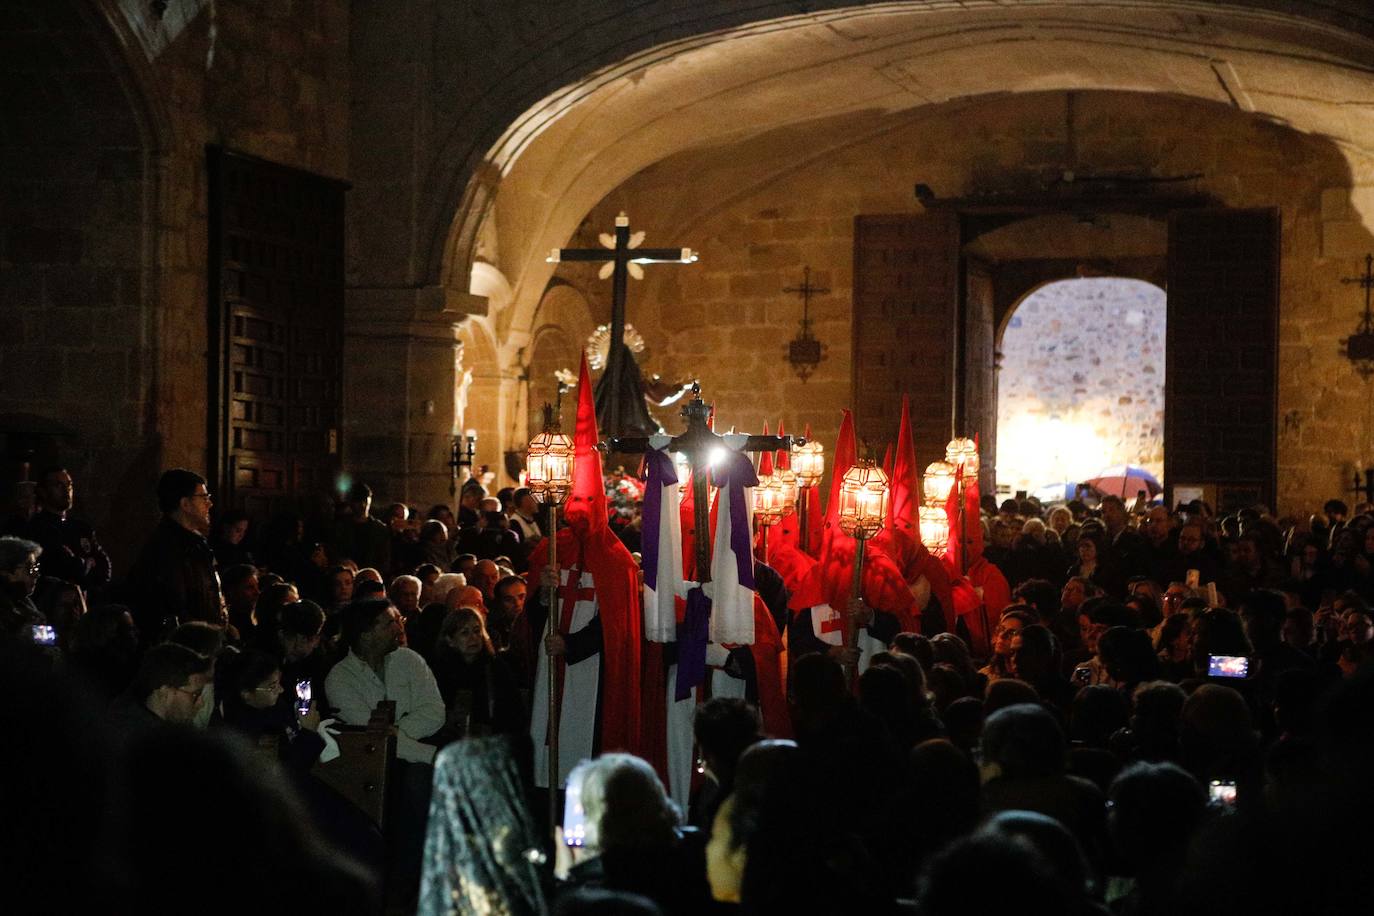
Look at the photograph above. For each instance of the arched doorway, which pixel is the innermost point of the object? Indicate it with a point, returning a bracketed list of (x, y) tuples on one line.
[(1081, 383), (79, 279)]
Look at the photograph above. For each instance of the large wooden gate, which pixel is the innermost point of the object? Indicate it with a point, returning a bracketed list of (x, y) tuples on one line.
[(906, 299), (1222, 350), (276, 331)]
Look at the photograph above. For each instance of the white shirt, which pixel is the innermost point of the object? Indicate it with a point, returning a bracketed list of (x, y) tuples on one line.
[(529, 529), (356, 690)]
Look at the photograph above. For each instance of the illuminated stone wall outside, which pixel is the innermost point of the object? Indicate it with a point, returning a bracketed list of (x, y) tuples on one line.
[(1081, 385)]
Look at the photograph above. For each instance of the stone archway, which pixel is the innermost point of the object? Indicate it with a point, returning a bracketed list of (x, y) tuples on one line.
[(561, 328), (1080, 383), (80, 270), (554, 141)]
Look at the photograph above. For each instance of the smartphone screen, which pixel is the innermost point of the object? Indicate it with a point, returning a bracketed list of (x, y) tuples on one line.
[(1222, 793), (44, 635), (574, 817), (1228, 666), (303, 696)]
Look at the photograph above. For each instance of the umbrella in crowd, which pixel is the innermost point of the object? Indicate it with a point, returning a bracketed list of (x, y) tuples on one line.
[(1056, 492), (1125, 480)]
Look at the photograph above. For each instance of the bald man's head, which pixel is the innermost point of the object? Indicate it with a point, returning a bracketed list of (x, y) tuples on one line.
[(485, 575)]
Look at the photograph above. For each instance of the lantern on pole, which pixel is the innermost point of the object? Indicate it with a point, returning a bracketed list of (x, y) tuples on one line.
[(808, 463), (768, 507), (935, 528), (549, 475), (864, 494), (963, 452), (787, 484), (937, 482)]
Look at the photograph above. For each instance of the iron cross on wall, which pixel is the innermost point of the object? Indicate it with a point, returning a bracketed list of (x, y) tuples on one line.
[(625, 258)]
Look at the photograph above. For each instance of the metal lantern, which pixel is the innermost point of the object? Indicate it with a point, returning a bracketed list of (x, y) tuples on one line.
[(787, 482), (864, 493), (768, 500), (938, 482), (935, 529), (808, 462), (549, 467), (965, 452)]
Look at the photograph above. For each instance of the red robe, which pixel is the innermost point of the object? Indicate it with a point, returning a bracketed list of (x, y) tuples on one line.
[(616, 579)]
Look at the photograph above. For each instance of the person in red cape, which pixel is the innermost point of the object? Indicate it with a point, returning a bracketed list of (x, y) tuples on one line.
[(925, 574), (985, 579), (597, 637), (885, 606)]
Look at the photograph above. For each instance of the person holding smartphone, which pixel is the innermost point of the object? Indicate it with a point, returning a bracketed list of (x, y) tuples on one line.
[(258, 704), (18, 578)]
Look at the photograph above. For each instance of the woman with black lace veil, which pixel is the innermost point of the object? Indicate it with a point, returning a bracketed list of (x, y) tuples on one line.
[(482, 851)]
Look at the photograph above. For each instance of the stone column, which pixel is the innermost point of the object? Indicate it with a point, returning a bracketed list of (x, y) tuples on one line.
[(401, 350)]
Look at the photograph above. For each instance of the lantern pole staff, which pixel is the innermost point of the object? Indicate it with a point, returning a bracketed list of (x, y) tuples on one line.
[(549, 477), (697, 443), (864, 494)]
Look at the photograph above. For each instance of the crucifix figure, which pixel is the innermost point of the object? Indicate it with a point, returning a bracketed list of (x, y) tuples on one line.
[(698, 443), (619, 395)]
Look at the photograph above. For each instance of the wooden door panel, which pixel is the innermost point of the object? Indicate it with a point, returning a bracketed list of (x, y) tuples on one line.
[(1222, 345), (906, 270), (277, 329)]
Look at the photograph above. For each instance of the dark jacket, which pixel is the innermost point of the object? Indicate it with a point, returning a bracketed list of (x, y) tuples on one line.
[(482, 697), (17, 612), (173, 581), (298, 748), (70, 550), (367, 543)]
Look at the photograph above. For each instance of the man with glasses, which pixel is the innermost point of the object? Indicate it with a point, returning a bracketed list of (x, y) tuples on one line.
[(174, 579), (18, 577), (171, 685)]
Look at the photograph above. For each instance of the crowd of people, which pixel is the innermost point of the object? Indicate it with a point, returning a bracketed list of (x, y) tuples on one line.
[(1173, 711)]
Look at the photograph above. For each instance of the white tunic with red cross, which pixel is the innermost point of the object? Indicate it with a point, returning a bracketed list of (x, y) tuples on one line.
[(580, 706), (828, 625)]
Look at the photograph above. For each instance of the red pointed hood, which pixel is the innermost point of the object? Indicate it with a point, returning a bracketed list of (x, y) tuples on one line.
[(901, 539), (784, 457), (844, 457), (883, 585), (887, 460), (587, 508), (765, 458)]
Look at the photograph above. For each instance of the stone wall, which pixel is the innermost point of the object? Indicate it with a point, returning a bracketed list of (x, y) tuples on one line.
[(1081, 385), (727, 319), (103, 199)]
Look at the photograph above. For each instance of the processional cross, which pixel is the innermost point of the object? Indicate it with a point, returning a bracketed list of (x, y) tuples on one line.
[(698, 443), (625, 257)]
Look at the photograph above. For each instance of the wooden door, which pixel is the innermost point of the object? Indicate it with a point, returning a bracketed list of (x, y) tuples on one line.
[(906, 299), (977, 407), (276, 325), (1221, 355)]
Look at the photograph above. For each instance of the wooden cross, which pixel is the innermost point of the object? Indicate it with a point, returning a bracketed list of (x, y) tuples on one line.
[(625, 256), (698, 443)]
